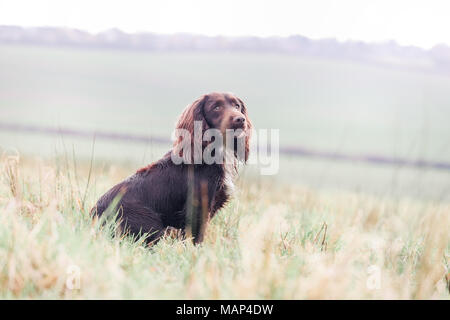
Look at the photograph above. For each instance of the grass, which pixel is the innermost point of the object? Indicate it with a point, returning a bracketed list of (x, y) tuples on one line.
[(274, 240)]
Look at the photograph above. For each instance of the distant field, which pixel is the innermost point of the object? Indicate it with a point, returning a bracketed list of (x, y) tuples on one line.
[(315, 103)]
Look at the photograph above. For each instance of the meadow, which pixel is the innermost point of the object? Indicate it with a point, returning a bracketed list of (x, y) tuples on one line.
[(316, 103), (333, 106), (286, 242), (317, 229)]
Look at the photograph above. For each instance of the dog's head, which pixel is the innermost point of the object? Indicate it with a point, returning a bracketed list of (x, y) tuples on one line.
[(221, 111)]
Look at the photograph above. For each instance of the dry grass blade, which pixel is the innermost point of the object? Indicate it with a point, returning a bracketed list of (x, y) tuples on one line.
[(323, 243), (267, 243), (11, 174)]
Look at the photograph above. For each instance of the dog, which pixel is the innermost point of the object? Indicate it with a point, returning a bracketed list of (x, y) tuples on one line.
[(182, 191)]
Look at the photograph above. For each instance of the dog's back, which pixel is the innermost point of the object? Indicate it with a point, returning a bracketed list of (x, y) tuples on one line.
[(148, 201)]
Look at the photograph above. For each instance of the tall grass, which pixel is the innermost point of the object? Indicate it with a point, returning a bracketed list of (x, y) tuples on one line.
[(272, 241)]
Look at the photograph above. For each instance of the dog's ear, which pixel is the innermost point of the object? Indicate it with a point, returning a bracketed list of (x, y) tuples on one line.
[(199, 112), (193, 112), (248, 130)]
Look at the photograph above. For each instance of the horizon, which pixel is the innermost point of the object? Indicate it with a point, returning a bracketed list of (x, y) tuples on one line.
[(407, 23), (340, 41)]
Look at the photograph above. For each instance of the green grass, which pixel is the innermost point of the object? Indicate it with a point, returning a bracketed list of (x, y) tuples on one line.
[(281, 243)]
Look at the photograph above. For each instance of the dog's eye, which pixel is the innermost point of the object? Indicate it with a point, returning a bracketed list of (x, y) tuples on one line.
[(237, 106), (216, 108)]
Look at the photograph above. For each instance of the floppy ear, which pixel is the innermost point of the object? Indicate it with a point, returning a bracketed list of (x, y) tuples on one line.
[(199, 113), (193, 112), (248, 129)]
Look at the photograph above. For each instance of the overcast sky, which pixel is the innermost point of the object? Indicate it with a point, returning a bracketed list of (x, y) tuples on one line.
[(418, 22)]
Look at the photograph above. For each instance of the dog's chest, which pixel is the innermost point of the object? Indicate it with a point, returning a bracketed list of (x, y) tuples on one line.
[(223, 193), (228, 185), (229, 172), (228, 181)]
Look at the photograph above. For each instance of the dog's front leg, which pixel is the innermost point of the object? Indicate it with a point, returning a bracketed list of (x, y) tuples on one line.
[(198, 206)]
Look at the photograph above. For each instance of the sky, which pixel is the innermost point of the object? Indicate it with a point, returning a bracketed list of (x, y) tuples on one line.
[(423, 23)]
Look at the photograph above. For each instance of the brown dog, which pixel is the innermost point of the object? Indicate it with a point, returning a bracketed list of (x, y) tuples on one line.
[(185, 195)]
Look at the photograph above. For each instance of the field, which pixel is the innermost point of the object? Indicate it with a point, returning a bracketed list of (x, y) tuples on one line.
[(280, 243), (316, 103), (317, 229)]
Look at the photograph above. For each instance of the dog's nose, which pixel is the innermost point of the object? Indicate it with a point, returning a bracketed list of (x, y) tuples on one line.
[(239, 120)]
